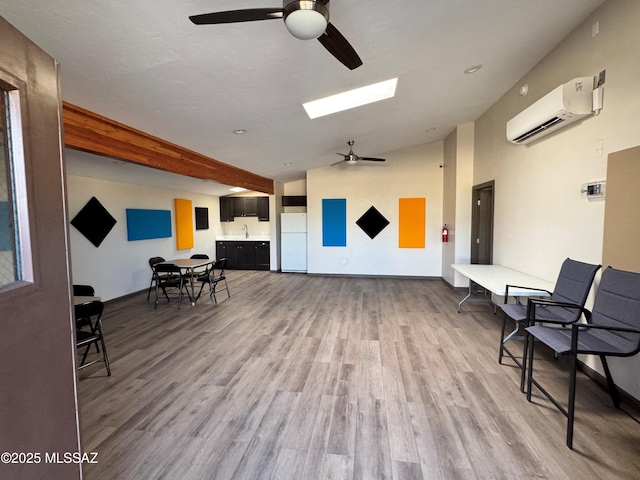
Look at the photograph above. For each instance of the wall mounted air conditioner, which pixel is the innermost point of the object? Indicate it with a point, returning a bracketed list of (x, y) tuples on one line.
[(560, 107)]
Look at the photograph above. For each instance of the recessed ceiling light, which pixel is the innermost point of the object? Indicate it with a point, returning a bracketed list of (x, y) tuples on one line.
[(237, 189), (239, 131), (429, 130), (288, 164), (351, 99), (473, 69)]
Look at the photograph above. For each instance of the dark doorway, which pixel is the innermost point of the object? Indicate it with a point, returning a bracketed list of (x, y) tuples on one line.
[(482, 224)]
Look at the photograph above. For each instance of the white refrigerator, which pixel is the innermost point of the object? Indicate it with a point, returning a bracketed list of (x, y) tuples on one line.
[(293, 242)]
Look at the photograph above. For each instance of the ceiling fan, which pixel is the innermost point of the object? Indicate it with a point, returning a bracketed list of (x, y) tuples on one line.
[(351, 158), (305, 19)]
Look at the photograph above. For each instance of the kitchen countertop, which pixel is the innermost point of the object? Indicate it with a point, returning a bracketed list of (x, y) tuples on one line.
[(242, 238)]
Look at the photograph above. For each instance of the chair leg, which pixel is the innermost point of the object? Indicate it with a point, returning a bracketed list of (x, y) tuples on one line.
[(572, 400), (202, 288), (150, 287), (84, 355), (104, 354), (525, 363), (213, 292), (529, 366), (501, 352), (613, 390)]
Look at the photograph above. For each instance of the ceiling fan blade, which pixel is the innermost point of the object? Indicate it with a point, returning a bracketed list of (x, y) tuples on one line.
[(372, 159), (324, 2), (338, 46), (343, 154), (341, 161), (233, 16)]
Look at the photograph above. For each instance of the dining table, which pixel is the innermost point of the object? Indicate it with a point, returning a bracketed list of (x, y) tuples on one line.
[(190, 266)]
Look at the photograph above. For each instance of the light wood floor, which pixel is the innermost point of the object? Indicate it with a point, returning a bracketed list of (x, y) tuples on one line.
[(307, 377)]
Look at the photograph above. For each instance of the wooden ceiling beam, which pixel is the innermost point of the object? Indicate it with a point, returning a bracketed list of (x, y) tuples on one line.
[(93, 133)]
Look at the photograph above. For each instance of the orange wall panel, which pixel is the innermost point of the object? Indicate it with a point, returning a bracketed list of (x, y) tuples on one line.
[(412, 222), (184, 224)]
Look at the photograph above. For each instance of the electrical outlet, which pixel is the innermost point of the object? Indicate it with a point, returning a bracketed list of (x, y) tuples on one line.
[(595, 28), (599, 148)]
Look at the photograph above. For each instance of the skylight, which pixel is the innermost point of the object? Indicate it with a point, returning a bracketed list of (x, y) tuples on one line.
[(351, 99)]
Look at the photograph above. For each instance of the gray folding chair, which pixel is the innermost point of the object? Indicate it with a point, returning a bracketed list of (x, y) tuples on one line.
[(572, 286), (612, 329)]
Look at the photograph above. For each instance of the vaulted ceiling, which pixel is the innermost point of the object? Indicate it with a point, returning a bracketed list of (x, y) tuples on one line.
[(144, 64)]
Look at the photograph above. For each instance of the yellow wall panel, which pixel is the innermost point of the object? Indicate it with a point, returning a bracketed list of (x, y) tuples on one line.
[(184, 224), (412, 222)]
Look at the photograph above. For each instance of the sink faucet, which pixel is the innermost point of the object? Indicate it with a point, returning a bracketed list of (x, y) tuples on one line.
[(246, 231)]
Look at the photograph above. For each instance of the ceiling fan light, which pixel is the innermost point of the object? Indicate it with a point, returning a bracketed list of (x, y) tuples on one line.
[(351, 162), (306, 20)]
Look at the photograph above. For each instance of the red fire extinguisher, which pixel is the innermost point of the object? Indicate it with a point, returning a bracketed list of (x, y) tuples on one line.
[(445, 234)]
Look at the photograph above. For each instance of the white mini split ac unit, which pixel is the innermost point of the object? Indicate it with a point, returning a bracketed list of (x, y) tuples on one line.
[(562, 106)]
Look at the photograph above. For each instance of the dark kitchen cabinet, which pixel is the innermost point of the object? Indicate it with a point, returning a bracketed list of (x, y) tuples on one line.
[(263, 209), (263, 255), (221, 251), (226, 209), (245, 206), (232, 207), (294, 201), (244, 255)]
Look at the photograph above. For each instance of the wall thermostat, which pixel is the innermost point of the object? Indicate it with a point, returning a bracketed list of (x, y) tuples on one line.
[(594, 190)]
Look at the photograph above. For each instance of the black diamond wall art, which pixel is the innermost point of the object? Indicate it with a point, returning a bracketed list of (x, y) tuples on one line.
[(372, 222), (94, 222)]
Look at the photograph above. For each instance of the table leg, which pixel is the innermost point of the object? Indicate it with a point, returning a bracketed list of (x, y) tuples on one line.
[(470, 298), (193, 297), (467, 297)]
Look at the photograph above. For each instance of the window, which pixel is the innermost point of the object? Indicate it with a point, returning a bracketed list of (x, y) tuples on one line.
[(13, 213)]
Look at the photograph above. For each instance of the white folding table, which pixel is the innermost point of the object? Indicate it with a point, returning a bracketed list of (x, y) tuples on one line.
[(495, 278)]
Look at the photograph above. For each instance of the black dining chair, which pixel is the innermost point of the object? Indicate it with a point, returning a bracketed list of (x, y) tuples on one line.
[(85, 337), (170, 280), (219, 279), (203, 277), (152, 262), (84, 291)]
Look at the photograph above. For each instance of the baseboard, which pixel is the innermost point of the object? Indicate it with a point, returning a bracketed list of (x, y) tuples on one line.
[(625, 397), (355, 275)]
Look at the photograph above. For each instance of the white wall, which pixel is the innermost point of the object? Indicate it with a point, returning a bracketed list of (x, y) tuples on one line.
[(408, 173), (541, 217), (119, 267)]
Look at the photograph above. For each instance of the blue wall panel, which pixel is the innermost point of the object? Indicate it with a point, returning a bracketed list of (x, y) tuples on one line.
[(334, 222), (145, 224)]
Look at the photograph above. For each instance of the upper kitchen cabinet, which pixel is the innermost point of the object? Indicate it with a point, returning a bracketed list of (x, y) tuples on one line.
[(231, 207), (263, 209), (226, 209), (245, 206)]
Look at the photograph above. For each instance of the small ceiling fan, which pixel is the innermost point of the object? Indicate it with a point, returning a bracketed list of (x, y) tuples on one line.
[(351, 158), (305, 19)]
